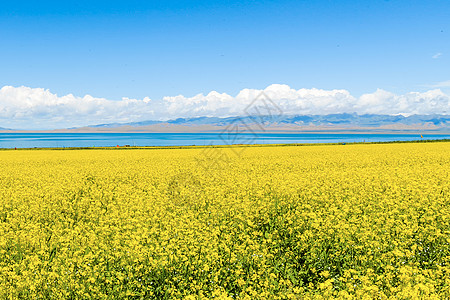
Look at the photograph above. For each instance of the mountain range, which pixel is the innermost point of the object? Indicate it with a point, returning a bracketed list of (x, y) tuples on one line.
[(292, 122), (330, 122)]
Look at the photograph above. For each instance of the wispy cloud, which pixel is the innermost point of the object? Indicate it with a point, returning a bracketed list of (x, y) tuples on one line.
[(37, 108), (441, 84), (437, 55)]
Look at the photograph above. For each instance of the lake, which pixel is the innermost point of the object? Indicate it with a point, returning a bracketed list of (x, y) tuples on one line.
[(47, 140)]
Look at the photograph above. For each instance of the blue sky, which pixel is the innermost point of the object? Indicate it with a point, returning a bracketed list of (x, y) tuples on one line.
[(137, 49), (118, 49)]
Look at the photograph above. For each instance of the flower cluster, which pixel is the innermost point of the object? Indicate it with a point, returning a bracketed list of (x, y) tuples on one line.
[(312, 222)]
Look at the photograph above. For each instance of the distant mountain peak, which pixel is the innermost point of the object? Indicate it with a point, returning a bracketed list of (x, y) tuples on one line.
[(339, 119)]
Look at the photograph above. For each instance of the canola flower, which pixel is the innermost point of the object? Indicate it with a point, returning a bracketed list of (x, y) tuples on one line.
[(316, 222)]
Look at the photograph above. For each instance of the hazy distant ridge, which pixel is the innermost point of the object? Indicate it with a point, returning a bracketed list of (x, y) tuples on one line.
[(348, 120)]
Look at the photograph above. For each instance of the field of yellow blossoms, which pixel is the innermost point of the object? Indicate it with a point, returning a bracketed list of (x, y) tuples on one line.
[(294, 222)]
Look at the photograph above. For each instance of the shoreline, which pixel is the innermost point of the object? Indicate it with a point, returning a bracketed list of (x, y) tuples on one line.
[(226, 146), (306, 131)]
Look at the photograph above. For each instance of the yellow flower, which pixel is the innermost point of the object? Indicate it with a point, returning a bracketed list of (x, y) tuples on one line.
[(154, 223)]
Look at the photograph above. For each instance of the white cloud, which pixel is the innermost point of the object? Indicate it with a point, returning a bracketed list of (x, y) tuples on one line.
[(24, 107), (442, 84), (37, 108), (437, 55), (383, 102)]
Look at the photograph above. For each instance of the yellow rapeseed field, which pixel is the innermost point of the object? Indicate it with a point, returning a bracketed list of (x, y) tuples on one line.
[(353, 221)]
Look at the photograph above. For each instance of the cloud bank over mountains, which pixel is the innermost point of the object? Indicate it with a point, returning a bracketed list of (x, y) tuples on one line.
[(37, 108)]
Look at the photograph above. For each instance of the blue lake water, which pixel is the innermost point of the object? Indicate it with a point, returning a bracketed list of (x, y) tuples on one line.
[(31, 140)]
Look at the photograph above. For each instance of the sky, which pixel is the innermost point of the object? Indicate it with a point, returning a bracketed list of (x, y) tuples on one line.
[(75, 63)]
